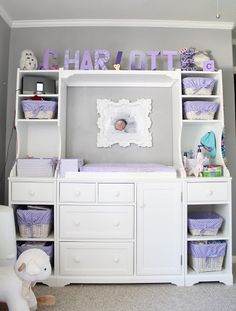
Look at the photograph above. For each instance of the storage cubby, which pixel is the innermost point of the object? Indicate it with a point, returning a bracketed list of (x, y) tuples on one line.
[(47, 243)]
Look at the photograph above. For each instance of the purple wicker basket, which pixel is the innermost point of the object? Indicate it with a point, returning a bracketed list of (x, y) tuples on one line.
[(206, 256), (198, 86), (204, 223), (200, 110), (39, 109), (47, 247), (34, 223)]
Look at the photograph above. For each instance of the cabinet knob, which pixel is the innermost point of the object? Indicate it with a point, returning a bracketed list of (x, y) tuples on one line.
[(116, 259), (117, 194), (77, 222), (116, 223), (31, 193), (210, 192), (77, 193), (77, 259)]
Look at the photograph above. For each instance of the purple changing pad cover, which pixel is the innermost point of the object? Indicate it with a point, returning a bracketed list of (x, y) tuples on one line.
[(127, 167)]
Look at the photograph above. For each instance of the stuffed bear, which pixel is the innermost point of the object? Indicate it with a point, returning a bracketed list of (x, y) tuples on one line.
[(15, 282), (28, 61)]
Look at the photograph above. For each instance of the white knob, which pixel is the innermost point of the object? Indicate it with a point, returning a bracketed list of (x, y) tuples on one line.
[(31, 193), (76, 222), (77, 259), (116, 260), (78, 193), (116, 223), (117, 194), (210, 192)]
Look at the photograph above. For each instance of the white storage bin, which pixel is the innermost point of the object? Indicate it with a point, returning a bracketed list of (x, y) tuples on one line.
[(36, 167)]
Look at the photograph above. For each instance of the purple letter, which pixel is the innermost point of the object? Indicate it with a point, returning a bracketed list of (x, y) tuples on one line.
[(208, 65), (100, 62), (132, 56), (170, 55), (118, 57), (68, 61), (86, 63), (153, 55), (46, 55)]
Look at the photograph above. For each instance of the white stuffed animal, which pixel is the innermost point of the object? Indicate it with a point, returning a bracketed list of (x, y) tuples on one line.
[(28, 61), (15, 282)]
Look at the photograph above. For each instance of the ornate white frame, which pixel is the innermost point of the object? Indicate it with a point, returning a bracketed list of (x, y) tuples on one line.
[(137, 117)]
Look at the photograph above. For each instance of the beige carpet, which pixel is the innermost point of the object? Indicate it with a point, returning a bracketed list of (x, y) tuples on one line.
[(141, 297)]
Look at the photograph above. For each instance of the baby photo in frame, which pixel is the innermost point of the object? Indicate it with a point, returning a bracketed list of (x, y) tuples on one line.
[(124, 122)]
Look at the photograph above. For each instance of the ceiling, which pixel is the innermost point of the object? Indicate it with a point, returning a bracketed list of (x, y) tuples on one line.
[(14, 11)]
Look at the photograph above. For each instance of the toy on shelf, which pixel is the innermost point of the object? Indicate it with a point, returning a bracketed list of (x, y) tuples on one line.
[(193, 60), (28, 61), (16, 282)]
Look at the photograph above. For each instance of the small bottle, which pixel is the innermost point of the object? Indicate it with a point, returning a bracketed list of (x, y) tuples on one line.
[(185, 160), (199, 156)]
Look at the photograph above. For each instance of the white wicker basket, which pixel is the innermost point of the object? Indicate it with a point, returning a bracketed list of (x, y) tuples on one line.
[(206, 264), (36, 231)]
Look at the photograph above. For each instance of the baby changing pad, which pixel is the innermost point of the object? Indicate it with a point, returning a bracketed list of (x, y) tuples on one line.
[(156, 169)]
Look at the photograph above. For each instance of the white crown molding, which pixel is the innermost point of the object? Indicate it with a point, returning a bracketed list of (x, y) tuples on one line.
[(5, 16), (122, 23)]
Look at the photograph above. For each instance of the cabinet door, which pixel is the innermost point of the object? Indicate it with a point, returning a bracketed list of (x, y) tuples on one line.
[(159, 229)]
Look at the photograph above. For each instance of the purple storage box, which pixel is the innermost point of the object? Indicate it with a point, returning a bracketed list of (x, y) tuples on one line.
[(47, 247), (39, 109), (205, 257), (35, 167), (200, 110), (198, 86), (204, 223), (70, 165), (34, 222)]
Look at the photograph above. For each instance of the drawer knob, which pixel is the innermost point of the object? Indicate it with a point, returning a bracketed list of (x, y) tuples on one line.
[(77, 222), (210, 192), (116, 223), (117, 194), (31, 193), (116, 260), (77, 259), (78, 193)]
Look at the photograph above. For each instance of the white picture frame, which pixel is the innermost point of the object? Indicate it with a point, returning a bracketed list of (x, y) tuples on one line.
[(124, 122)]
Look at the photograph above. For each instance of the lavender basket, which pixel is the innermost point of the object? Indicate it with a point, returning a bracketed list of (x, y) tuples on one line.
[(198, 86), (34, 222), (47, 247), (204, 223), (39, 109), (200, 110), (206, 256)]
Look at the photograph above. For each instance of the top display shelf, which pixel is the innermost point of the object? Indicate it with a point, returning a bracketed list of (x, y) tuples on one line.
[(124, 78)]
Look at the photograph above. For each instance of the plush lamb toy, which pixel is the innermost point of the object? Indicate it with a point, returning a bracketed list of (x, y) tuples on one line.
[(28, 61), (15, 282)]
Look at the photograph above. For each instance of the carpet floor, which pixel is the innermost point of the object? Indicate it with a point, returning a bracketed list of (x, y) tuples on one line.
[(141, 297)]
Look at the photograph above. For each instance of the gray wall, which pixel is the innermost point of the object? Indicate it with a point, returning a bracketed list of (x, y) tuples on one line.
[(4, 54), (219, 42)]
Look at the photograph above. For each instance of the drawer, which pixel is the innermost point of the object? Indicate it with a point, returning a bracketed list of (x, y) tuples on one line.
[(116, 193), (78, 192), (208, 192), (32, 192), (96, 258), (95, 222)]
